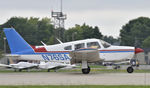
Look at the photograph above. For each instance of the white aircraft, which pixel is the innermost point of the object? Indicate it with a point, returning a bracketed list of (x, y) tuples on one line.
[(20, 66), (55, 66), (82, 51)]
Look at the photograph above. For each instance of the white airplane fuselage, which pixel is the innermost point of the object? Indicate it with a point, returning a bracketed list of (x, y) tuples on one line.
[(58, 52)]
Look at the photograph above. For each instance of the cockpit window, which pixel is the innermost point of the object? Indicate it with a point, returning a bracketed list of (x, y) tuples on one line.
[(78, 46), (105, 44), (93, 45), (68, 48)]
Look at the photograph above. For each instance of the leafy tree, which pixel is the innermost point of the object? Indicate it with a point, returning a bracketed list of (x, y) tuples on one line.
[(111, 40), (134, 32), (1, 54), (33, 30), (82, 32), (146, 43)]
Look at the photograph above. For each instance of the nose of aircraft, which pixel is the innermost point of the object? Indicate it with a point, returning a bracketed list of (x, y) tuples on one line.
[(138, 50)]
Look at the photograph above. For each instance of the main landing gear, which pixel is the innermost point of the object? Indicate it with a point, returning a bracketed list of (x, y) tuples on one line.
[(130, 69), (133, 63), (86, 70)]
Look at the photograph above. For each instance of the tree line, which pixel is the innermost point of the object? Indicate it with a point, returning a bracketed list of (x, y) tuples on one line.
[(34, 30), (136, 33)]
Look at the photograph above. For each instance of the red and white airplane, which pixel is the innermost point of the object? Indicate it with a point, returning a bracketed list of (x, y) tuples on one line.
[(81, 51)]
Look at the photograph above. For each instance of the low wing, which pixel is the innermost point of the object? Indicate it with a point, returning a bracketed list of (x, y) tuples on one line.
[(28, 67), (123, 62), (56, 67), (4, 65), (90, 55), (23, 67), (51, 65), (12, 56), (116, 63), (70, 66)]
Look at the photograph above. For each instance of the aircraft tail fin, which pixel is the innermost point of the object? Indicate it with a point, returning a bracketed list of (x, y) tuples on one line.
[(16, 43)]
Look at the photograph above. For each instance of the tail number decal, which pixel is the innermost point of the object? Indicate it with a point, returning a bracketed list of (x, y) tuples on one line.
[(51, 57)]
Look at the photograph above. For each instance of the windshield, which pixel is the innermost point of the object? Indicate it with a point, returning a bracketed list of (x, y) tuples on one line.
[(105, 44)]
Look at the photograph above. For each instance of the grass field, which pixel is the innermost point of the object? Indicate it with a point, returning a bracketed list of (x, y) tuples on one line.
[(79, 70), (80, 86), (94, 68)]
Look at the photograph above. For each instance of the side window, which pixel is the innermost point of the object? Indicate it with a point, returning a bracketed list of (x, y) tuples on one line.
[(68, 48), (93, 45), (78, 46)]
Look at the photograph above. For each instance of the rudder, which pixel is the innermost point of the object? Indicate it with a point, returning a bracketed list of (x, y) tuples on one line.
[(16, 43)]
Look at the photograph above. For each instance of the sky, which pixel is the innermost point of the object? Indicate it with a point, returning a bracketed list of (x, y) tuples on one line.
[(108, 15)]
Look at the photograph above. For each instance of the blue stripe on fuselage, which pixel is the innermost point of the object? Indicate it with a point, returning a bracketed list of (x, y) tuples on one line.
[(115, 51)]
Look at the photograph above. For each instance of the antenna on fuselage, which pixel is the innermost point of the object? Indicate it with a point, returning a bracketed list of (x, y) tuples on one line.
[(59, 41), (43, 43)]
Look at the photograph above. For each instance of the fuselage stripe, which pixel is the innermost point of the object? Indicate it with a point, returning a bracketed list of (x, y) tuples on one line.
[(67, 52)]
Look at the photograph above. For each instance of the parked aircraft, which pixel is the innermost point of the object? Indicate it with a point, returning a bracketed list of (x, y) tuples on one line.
[(81, 51), (20, 66), (55, 66)]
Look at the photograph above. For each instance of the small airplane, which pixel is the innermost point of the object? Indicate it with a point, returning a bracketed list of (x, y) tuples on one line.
[(54, 66), (20, 66), (81, 51)]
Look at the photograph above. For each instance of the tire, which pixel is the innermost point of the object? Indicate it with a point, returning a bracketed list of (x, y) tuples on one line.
[(130, 69), (86, 71)]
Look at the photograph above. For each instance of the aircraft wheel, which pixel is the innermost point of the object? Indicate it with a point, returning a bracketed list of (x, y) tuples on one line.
[(130, 69), (86, 71)]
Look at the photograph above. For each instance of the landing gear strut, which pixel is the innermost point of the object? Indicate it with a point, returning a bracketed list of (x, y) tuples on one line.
[(85, 67), (130, 69), (86, 70)]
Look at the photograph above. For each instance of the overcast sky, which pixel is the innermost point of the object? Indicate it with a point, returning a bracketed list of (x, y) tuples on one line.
[(108, 15)]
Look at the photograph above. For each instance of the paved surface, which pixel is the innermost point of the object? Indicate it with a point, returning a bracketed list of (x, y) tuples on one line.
[(42, 78)]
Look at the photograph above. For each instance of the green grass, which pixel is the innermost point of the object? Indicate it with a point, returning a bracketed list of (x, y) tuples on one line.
[(95, 70), (98, 66), (77, 86)]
